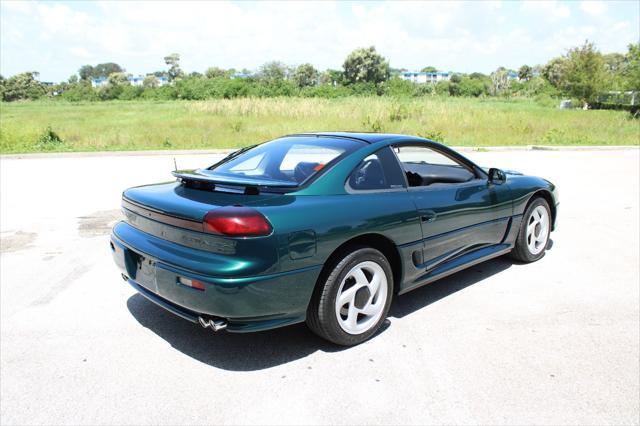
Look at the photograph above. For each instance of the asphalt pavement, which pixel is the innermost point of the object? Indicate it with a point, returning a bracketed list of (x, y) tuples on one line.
[(554, 342)]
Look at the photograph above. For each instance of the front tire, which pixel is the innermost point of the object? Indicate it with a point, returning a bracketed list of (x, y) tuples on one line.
[(533, 236), (350, 305)]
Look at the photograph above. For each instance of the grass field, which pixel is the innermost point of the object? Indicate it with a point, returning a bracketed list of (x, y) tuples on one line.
[(137, 125)]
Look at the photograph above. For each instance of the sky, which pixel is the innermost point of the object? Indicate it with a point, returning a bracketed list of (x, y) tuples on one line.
[(56, 38)]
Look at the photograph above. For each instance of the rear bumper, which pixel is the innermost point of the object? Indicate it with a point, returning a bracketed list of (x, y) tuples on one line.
[(153, 266)]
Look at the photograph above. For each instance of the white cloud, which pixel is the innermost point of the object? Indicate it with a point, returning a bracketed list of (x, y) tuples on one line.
[(594, 8), (80, 52), (550, 10)]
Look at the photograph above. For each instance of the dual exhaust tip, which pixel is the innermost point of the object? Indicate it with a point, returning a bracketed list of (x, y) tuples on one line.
[(215, 324)]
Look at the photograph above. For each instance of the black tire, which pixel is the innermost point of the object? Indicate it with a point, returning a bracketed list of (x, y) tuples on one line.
[(521, 250), (321, 314)]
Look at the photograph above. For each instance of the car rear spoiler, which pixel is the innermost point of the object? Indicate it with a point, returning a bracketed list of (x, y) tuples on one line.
[(200, 179)]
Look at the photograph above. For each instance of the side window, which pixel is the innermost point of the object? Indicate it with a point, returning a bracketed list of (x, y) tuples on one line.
[(379, 171), (425, 166)]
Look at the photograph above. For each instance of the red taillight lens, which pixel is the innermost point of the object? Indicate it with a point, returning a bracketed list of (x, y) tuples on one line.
[(237, 221)]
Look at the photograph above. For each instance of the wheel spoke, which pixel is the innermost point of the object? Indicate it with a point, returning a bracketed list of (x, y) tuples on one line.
[(370, 309), (352, 316), (374, 285), (530, 229), (348, 295), (360, 277)]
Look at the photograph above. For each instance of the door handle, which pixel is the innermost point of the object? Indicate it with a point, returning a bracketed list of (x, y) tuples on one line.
[(428, 216)]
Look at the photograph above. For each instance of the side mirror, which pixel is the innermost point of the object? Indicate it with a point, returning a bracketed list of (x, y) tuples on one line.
[(497, 176)]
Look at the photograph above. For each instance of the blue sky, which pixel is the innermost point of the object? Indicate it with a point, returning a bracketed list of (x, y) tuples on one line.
[(56, 38)]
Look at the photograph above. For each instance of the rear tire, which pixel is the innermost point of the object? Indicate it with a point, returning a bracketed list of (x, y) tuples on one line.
[(535, 229), (352, 298)]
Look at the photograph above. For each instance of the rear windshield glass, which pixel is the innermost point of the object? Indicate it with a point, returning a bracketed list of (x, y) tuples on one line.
[(290, 160)]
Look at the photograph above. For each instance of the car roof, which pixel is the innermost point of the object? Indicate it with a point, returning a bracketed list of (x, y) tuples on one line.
[(362, 136)]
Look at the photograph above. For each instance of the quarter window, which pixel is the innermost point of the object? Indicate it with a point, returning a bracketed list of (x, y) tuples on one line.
[(379, 171)]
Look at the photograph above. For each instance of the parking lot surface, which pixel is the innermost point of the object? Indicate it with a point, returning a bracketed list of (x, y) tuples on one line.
[(554, 342)]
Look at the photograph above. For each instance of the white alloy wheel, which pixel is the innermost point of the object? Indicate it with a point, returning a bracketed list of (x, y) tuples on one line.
[(538, 227), (361, 298)]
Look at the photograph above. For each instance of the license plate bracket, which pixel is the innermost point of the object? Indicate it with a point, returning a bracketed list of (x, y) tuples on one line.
[(146, 273)]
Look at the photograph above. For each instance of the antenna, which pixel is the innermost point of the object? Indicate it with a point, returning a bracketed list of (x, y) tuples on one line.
[(175, 165)]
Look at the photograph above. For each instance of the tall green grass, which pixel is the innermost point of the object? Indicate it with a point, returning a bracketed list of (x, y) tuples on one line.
[(140, 125)]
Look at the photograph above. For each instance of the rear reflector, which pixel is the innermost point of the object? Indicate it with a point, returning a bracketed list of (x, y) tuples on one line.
[(237, 221), (198, 285)]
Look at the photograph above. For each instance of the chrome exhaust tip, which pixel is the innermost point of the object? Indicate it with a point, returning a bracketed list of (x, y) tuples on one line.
[(213, 324)]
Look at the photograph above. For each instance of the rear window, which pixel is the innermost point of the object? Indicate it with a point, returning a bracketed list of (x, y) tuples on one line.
[(291, 159)]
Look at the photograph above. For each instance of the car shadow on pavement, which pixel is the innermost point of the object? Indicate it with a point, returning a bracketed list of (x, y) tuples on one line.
[(229, 351), (266, 349), (431, 293)]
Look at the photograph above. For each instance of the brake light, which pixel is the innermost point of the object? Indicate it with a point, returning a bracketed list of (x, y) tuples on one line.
[(237, 221)]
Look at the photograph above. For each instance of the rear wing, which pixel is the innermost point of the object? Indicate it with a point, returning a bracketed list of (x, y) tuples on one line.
[(205, 179)]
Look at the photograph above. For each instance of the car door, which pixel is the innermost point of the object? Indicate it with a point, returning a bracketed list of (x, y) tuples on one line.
[(459, 209)]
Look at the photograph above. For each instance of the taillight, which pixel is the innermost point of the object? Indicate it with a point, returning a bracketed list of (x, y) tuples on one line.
[(237, 221)]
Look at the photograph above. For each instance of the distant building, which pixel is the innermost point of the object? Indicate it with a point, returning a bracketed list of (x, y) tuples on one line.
[(425, 77), (139, 80), (99, 82), (512, 75), (240, 75), (136, 81), (133, 80)]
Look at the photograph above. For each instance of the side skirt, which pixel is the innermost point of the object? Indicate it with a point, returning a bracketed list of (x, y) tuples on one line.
[(463, 262)]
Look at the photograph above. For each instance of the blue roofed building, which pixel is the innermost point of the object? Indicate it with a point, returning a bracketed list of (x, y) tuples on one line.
[(99, 82), (425, 77), (133, 80)]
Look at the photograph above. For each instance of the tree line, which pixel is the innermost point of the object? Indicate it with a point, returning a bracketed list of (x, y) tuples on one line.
[(581, 73)]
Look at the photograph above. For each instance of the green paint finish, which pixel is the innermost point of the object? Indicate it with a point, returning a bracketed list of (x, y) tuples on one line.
[(265, 282)]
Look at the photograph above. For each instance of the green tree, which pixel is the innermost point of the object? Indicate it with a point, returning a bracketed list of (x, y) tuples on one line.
[(525, 73), (215, 72), (88, 72), (73, 79), (173, 61), (85, 72), (106, 69), (478, 76), (429, 69), (365, 65), (118, 79), (22, 86), (584, 72), (273, 72), (305, 75), (150, 82), (332, 77), (553, 71), (631, 71), (500, 82), (456, 78), (614, 62)]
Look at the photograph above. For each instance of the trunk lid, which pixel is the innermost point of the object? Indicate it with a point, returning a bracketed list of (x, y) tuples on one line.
[(180, 200)]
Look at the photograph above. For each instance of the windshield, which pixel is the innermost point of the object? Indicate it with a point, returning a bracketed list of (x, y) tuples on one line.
[(287, 160)]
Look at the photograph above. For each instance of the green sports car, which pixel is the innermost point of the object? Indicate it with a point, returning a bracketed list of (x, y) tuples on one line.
[(324, 228)]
